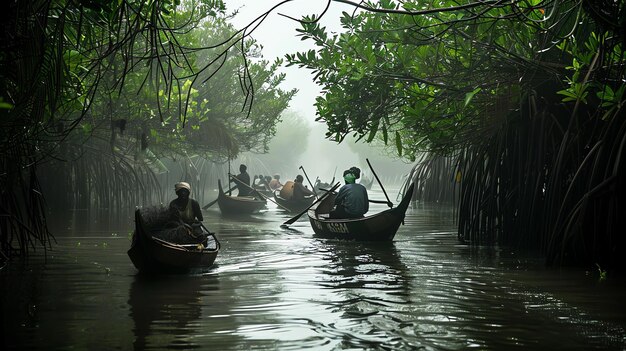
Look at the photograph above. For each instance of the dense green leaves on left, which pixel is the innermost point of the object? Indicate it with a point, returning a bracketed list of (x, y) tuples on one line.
[(113, 86)]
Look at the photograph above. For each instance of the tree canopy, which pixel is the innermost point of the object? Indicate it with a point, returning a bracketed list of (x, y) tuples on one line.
[(112, 86), (525, 96), (437, 75)]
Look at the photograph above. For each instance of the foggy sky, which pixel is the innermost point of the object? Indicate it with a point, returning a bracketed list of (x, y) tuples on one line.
[(277, 35)]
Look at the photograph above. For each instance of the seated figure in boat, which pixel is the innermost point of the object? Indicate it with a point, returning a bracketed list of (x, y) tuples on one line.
[(299, 190), (188, 209), (257, 182), (266, 182), (261, 182), (185, 217), (275, 183), (351, 200), (242, 182)]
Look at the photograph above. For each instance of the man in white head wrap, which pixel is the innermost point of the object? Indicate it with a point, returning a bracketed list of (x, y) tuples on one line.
[(188, 208)]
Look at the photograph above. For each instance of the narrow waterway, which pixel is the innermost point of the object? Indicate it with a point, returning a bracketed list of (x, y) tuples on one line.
[(283, 289)]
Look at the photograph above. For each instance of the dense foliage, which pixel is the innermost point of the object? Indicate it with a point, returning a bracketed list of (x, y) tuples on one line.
[(425, 76), (94, 93), (526, 95)]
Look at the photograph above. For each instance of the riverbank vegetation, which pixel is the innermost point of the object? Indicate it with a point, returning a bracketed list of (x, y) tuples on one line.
[(95, 95), (520, 103), (525, 96)]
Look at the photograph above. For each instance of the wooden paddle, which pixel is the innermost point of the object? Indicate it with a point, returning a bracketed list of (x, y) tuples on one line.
[(295, 218), (268, 198), (389, 203), (214, 201), (308, 180)]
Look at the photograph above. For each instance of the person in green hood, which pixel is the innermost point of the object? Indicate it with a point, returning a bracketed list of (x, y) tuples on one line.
[(351, 200)]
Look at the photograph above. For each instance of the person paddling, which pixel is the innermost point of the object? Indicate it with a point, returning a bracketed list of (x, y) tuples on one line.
[(351, 200), (242, 182), (275, 183), (300, 191)]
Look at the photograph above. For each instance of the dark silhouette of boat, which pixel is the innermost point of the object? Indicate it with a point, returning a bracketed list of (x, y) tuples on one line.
[(150, 254), (381, 226), (238, 205), (294, 206)]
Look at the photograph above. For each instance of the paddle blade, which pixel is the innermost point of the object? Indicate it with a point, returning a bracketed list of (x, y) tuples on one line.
[(293, 219)]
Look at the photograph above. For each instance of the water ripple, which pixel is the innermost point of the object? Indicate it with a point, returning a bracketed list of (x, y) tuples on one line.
[(282, 289)]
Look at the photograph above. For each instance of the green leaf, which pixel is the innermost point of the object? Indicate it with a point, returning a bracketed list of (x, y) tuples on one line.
[(87, 128), (399, 143), (470, 95), (385, 136), (373, 130)]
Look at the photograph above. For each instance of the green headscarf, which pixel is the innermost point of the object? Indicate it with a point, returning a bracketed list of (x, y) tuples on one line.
[(349, 178)]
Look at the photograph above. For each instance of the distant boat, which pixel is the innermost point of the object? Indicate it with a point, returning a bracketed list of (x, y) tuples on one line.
[(295, 206), (284, 198), (321, 186), (150, 254), (381, 226), (234, 205)]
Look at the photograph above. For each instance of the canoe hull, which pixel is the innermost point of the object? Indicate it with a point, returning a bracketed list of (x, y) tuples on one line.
[(294, 206), (152, 255), (378, 227), (237, 205)]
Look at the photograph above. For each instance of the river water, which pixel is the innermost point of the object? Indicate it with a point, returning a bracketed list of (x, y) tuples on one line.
[(283, 289)]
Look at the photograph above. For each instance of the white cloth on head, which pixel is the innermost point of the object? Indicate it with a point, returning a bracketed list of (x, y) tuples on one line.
[(182, 185)]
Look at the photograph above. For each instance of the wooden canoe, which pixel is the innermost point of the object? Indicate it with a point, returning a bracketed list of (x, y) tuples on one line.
[(294, 206), (381, 226), (237, 205), (150, 254), (263, 191)]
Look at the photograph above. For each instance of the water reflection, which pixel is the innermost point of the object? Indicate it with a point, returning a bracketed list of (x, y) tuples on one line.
[(246, 218), (366, 284), (93, 221), (284, 289), (375, 266), (165, 310)]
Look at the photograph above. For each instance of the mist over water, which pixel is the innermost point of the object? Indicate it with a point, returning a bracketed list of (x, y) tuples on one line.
[(324, 158)]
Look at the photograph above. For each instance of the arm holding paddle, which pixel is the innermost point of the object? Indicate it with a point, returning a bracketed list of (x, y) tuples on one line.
[(388, 203)]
